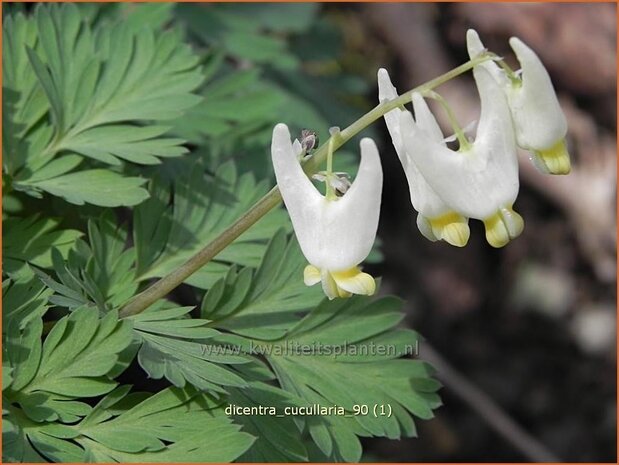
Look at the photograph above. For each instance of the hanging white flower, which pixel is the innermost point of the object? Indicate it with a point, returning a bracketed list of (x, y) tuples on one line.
[(335, 234), (435, 219), (538, 119), (480, 180)]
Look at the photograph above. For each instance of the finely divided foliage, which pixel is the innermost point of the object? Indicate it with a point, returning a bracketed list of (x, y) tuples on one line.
[(166, 112), (82, 87)]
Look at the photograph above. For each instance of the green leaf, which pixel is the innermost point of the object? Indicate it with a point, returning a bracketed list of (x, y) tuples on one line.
[(103, 87), (202, 207), (101, 274), (22, 302), (258, 48), (73, 362), (354, 339), (7, 377), (18, 433), (100, 187), (283, 17), (110, 265), (71, 292), (170, 322), (30, 240), (171, 426), (181, 350), (268, 304), (90, 93), (277, 437), (136, 15), (21, 350), (23, 100), (132, 143)]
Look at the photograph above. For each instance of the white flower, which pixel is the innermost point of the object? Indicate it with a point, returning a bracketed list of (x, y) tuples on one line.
[(481, 179), (336, 234), (435, 220), (538, 119)]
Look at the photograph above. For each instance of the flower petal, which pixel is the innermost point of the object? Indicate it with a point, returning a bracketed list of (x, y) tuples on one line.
[(452, 228), (311, 275), (350, 223), (293, 183), (477, 181), (476, 47), (333, 234), (425, 228), (355, 281), (387, 92), (301, 198), (540, 122), (555, 160), (297, 148), (329, 286), (425, 119), (423, 198), (503, 226)]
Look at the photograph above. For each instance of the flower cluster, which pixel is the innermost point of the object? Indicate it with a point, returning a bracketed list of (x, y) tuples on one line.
[(447, 187)]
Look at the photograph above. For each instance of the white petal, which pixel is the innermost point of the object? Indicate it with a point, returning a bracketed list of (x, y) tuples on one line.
[(475, 47), (387, 92), (424, 226), (478, 181), (423, 198), (350, 223), (297, 148), (425, 119), (439, 165), (540, 122), (300, 196), (333, 234), (495, 141)]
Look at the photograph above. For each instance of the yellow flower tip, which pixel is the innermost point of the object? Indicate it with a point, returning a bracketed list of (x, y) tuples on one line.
[(329, 286), (503, 226), (340, 283), (311, 275), (452, 228), (555, 160), (354, 281), (456, 234), (496, 233)]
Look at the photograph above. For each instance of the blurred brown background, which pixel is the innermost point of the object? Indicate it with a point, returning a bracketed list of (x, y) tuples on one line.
[(524, 337)]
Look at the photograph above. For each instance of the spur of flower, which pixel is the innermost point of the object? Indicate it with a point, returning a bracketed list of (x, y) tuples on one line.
[(480, 180), (539, 122), (436, 220), (335, 232)]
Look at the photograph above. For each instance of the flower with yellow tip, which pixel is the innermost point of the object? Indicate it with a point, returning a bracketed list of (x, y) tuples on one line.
[(539, 122), (435, 219), (480, 180), (336, 233)]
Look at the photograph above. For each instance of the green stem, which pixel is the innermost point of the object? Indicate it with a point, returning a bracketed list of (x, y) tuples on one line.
[(165, 285), (462, 140), (511, 74), (330, 191)]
